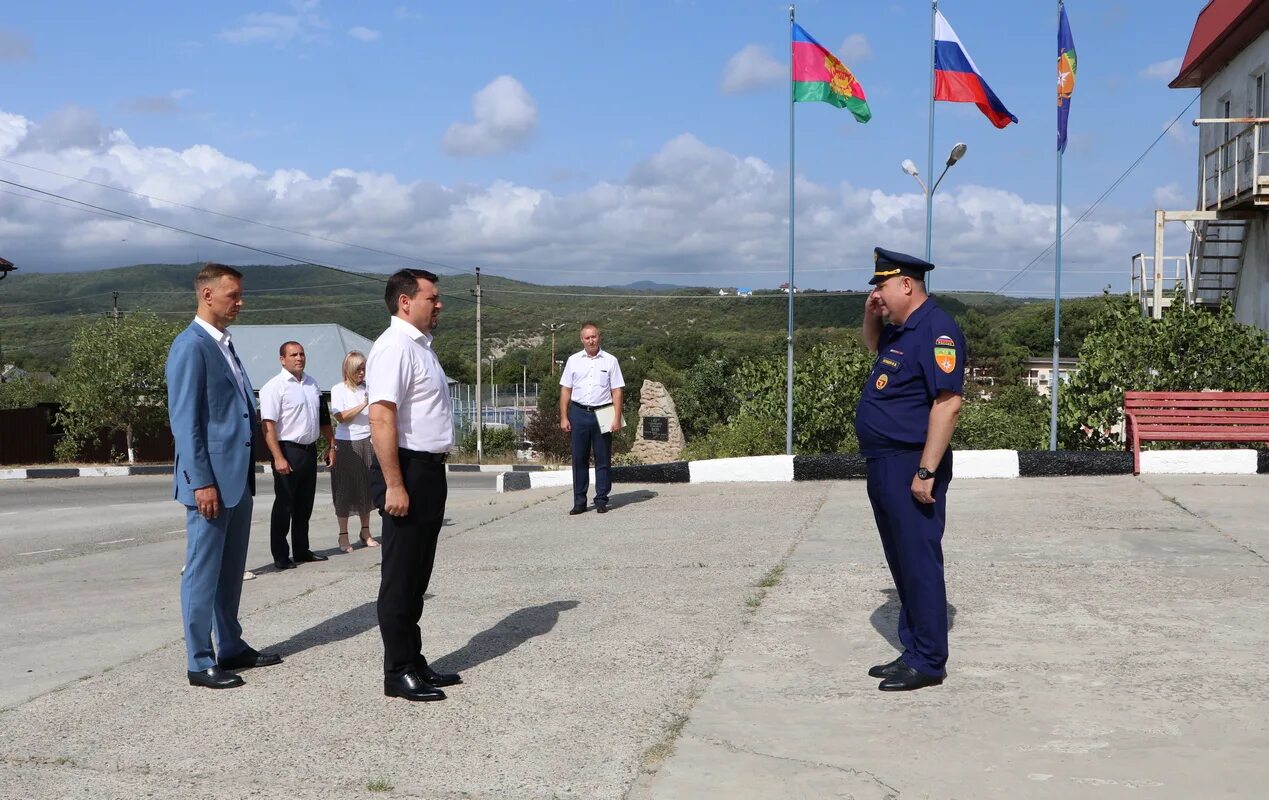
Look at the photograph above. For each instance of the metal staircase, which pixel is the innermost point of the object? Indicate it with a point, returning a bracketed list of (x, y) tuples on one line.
[(1216, 252)]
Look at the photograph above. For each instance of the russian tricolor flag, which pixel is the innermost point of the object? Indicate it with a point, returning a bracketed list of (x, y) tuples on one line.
[(957, 79)]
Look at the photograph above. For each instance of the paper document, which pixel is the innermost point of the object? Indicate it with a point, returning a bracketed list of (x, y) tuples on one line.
[(606, 415)]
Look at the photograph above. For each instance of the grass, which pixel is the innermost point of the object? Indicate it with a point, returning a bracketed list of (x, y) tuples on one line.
[(378, 785), (772, 577)]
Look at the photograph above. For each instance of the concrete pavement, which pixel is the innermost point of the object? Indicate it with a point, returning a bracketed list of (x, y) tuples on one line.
[(700, 641)]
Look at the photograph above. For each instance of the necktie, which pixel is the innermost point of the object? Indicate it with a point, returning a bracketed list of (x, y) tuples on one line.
[(242, 374)]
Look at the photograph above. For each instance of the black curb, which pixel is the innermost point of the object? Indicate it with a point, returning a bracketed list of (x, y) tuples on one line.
[(831, 467), (515, 481), (1050, 464), (53, 472), (1262, 462), (527, 468), (673, 472), (463, 467), (153, 469)]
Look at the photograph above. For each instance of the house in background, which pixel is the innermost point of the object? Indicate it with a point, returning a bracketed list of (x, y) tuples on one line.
[(325, 346), (1228, 61)]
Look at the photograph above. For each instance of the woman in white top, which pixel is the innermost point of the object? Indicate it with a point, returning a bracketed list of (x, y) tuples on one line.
[(350, 478)]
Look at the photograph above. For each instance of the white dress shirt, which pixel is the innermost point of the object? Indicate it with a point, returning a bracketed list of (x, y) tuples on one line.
[(222, 339), (403, 369), (342, 399), (294, 406), (592, 379)]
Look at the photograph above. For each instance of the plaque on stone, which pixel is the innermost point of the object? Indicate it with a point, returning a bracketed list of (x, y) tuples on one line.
[(656, 429)]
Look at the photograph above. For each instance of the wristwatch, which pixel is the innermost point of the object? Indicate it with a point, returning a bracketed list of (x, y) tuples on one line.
[(924, 474)]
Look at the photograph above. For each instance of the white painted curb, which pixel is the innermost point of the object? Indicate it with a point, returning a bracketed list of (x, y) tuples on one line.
[(1198, 462), (12, 474), (990, 464), (555, 477), (102, 472), (756, 469)]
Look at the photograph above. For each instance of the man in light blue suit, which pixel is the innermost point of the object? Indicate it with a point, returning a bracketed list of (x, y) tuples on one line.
[(214, 425)]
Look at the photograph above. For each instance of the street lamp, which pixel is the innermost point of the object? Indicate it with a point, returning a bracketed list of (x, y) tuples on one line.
[(958, 152)]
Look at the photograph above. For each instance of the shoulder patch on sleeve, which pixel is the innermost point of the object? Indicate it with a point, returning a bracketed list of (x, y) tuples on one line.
[(945, 353)]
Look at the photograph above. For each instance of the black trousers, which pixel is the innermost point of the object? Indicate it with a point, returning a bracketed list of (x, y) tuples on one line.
[(293, 500), (408, 550)]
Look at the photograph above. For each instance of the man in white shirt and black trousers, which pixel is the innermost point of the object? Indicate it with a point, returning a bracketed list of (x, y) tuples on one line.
[(591, 381), (294, 415), (412, 431)]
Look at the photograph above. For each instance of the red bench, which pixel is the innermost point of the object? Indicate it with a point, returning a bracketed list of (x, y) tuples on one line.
[(1193, 417)]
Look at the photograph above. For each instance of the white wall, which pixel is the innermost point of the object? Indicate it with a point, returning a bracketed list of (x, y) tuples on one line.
[(1252, 303)]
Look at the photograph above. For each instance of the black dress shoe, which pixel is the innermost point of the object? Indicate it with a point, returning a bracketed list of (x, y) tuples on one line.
[(411, 687), (575, 510), (250, 658), (905, 679), (433, 678), (601, 508), (310, 557), (886, 670), (214, 678)]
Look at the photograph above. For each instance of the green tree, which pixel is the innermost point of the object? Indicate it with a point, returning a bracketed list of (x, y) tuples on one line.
[(705, 399), (543, 428), (826, 386), (1015, 418), (25, 392), (114, 381), (1188, 350)]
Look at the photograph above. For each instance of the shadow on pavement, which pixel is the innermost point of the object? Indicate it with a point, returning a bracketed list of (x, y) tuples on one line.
[(630, 498), (351, 623), (512, 631), (886, 618)]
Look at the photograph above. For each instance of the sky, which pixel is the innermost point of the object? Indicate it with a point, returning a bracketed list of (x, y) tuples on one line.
[(590, 143)]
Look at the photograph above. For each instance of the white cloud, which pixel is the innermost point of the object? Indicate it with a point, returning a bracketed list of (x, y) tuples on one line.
[(15, 47), (1168, 196), (363, 34), (278, 29), (689, 213), (405, 12), (1162, 70), (854, 50), (505, 117), (752, 68)]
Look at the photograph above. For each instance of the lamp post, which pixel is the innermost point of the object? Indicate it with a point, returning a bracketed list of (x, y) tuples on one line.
[(958, 152), (553, 327)]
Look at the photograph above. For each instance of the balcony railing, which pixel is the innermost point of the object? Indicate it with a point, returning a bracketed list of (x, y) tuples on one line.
[(1236, 172)]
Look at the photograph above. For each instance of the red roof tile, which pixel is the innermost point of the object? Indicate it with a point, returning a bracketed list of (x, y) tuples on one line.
[(1223, 29)]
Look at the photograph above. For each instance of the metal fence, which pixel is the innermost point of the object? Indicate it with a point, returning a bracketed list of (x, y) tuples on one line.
[(500, 404)]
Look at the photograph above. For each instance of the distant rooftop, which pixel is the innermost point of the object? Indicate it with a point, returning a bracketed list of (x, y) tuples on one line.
[(1223, 30), (324, 345)]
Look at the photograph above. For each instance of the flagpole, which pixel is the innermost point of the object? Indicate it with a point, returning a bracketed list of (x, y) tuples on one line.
[(1055, 379), (929, 194), (788, 400)]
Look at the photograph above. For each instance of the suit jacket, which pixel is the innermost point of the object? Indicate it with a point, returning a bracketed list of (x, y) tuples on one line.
[(212, 423)]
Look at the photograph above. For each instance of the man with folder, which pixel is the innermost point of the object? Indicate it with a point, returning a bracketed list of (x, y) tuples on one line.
[(590, 410)]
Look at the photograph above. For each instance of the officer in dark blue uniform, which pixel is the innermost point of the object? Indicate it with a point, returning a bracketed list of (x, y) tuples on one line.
[(905, 420)]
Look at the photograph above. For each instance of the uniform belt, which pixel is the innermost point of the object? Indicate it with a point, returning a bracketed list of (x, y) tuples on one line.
[(589, 408), (422, 455), (297, 444)]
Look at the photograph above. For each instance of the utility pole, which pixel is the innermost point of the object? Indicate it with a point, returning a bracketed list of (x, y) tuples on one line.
[(114, 306), (480, 411), (553, 327)]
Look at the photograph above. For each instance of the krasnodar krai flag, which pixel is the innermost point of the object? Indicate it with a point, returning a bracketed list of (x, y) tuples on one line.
[(818, 75), (957, 79)]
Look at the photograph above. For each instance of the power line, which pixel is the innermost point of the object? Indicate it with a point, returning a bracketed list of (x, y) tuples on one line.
[(1115, 185)]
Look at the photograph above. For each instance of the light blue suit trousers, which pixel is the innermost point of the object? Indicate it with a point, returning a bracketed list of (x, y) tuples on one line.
[(211, 586)]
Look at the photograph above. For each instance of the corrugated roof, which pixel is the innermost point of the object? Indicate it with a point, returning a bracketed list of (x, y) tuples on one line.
[(324, 346), (1223, 29)]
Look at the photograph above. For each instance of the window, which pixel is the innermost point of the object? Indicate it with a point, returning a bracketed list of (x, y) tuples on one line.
[(1258, 96), (1227, 149)]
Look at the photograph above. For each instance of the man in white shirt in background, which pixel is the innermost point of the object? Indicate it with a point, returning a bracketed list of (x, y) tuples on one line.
[(293, 417), (591, 382), (412, 431)]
